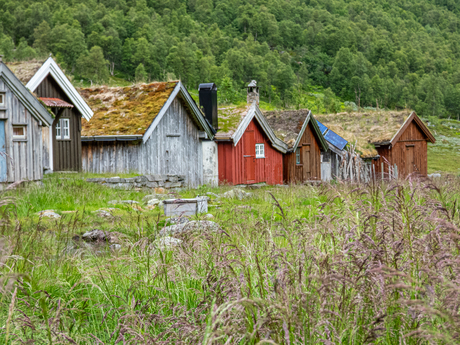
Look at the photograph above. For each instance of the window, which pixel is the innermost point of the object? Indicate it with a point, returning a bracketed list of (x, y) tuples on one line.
[(63, 129), (297, 156), (2, 99), (260, 151), (19, 132)]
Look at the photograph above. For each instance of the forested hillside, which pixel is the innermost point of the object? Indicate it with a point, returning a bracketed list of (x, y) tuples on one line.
[(391, 54)]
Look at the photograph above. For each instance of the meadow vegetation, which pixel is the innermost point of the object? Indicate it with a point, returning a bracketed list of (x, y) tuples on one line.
[(333, 263)]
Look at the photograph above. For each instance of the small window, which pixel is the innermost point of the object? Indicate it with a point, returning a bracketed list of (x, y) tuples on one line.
[(260, 151), (2, 99), (19, 132), (297, 156), (63, 129)]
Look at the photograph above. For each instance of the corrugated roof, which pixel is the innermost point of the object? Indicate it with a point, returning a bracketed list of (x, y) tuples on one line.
[(124, 110), (25, 70), (229, 120), (55, 102)]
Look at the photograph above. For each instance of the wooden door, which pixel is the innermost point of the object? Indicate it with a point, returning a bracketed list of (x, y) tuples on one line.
[(3, 163), (249, 154), (306, 162), (410, 164)]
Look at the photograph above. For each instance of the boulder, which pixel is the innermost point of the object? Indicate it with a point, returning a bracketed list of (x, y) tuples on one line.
[(49, 214), (97, 235), (435, 175), (237, 194), (177, 220), (194, 225), (153, 202), (166, 242), (103, 213), (209, 216)]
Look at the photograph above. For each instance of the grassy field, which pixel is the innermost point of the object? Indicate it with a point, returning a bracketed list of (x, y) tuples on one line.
[(349, 264), (444, 155)]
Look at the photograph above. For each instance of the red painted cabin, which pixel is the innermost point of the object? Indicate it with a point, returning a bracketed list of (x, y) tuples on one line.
[(249, 151)]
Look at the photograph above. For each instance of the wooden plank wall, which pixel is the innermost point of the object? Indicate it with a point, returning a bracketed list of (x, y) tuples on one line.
[(173, 148), (293, 173), (66, 153), (231, 160), (412, 136), (24, 156)]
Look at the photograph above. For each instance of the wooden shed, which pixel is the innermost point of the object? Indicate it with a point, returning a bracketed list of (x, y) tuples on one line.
[(248, 149), (152, 128), (22, 118), (62, 141), (300, 132), (394, 140)]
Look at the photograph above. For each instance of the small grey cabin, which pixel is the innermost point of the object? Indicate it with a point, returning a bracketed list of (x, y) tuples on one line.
[(22, 118), (152, 128)]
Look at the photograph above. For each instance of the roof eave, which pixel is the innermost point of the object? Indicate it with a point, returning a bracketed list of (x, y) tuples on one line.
[(112, 137)]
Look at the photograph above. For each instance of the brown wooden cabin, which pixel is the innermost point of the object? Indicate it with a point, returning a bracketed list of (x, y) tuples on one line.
[(300, 131), (407, 150), (62, 141)]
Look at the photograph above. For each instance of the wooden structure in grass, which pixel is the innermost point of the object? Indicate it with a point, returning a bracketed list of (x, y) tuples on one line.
[(152, 128), (300, 132), (22, 118), (62, 141), (249, 151), (406, 150)]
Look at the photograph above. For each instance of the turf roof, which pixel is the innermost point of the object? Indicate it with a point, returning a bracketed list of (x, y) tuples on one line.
[(287, 124), (366, 128), (25, 70), (229, 120), (124, 110)]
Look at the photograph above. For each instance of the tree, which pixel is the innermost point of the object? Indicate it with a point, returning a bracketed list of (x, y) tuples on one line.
[(141, 74), (93, 66), (42, 37)]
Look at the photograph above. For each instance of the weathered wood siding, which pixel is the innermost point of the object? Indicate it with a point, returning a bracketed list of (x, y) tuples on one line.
[(409, 154), (310, 160), (233, 165), (24, 160), (173, 148), (66, 153)]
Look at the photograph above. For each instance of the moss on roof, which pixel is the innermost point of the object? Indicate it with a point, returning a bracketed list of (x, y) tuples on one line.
[(366, 128), (124, 110), (25, 70), (287, 124), (229, 119)]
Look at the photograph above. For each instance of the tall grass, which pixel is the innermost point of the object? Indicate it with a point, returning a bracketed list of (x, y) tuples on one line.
[(333, 264)]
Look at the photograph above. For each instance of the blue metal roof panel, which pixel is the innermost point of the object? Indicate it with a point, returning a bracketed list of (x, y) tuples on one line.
[(322, 127), (335, 139)]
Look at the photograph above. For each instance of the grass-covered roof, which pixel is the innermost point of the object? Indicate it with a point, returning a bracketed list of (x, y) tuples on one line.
[(124, 110), (287, 124), (229, 119), (25, 70)]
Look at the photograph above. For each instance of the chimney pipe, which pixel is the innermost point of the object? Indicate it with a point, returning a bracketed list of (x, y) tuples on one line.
[(208, 102), (253, 92)]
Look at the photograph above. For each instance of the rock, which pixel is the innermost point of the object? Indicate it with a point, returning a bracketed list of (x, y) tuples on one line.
[(49, 214), (209, 216), (153, 202), (435, 175), (95, 235), (130, 202), (238, 194), (213, 194), (130, 179), (68, 212), (115, 179), (114, 202), (141, 179), (115, 247), (166, 242), (160, 190), (255, 186), (173, 178), (103, 213), (176, 185), (194, 225), (149, 197), (151, 184), (282, 185), (177, 220)]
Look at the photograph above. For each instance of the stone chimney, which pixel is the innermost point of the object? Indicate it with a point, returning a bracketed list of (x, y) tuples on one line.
[(253, 93)]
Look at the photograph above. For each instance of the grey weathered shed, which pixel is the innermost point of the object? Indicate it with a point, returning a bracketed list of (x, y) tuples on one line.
[(152, 128), (22, 117)]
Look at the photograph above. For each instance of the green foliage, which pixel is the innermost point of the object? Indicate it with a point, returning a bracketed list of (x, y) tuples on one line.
[(141, 75), (375, 54), (93, 66)]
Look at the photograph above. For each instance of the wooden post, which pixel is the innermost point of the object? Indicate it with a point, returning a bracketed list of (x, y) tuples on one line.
[(382, 170), (396, 171)]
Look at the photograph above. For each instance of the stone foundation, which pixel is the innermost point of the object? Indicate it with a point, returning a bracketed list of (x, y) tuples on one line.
[(143, 181)]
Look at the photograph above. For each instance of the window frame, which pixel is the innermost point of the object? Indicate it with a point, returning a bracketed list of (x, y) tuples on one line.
[(62, 126), (20, 137), (260, 153), (297, 156), (2, 96)]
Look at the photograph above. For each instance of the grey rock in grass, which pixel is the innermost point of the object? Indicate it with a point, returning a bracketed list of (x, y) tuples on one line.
[(103, 213), (49, 214), (115, 247), (282, 185), (237, 194), (209, 216), (153, 202), (435, 175), (177, 220), (213, 194), (151, 184), (149, 197), (194, 225), (166, 242), (256, 186), (130, 202), (96, 235)]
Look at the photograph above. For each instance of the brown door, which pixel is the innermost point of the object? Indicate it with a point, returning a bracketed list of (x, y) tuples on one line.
[(410, 164), (306, 162), (249, 156)]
